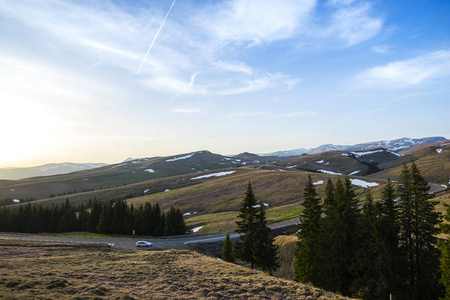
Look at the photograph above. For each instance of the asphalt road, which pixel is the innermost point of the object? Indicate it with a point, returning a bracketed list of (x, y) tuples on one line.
[(181, 242)]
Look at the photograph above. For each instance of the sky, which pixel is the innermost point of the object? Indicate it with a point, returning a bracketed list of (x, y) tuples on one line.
[(101, 81)]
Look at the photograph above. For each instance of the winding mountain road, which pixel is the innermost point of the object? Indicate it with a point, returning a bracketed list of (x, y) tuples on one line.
[(180, 242)]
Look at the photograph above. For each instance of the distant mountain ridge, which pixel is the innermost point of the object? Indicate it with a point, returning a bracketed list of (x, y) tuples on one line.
[(46, 170), (393, 145)]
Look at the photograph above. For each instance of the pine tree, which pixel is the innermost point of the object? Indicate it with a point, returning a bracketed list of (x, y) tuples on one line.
[(265, 252), (444, 247), (254, 246), (244, 248), (227, 250), (339, 242), (418, 221), (307, 268), (389, 258)]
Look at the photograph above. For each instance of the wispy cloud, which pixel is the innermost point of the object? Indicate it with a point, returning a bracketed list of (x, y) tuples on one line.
[(271, 114), (213, 38), (381, 49), (351, 22), (407, 73), (368, 112), (187, 110)]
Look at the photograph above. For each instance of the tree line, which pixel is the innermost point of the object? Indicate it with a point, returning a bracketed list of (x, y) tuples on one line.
[(374, 250), (112, 217)]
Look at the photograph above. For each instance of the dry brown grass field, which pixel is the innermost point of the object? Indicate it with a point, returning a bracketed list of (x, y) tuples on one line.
[(31, 270)]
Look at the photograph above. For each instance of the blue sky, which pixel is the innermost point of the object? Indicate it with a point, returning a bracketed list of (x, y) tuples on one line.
[(226, 76)]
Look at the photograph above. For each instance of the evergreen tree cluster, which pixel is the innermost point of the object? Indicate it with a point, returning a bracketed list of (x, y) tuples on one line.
[(373, 250), (113, 217)]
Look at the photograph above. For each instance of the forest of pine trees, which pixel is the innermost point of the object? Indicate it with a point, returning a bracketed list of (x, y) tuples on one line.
[(113, 217), (382, 248)]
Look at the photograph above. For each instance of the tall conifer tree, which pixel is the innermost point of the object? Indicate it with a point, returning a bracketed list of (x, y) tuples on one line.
[(418, 221), (254, 246), (307, 267), (444, 247)]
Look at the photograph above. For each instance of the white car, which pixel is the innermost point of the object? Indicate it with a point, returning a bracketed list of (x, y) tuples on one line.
[(143, 244)]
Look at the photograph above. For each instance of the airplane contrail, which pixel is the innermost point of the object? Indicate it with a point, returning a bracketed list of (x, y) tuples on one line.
[(156, 35)]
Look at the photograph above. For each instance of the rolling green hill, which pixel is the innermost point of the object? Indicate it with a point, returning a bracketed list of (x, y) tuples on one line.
[(433, 162)]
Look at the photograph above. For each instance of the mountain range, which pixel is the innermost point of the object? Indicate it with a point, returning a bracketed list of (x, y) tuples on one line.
[(393, 145), (210, 161), (46, 170)]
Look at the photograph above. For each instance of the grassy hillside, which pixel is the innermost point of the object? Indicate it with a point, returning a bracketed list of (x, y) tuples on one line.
[(287, 244), (60, 271), (129, 172), (358, 163), (433, 162), (213, 202)]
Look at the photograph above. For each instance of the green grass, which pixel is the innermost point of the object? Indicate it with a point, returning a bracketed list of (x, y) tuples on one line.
[(226, 221)]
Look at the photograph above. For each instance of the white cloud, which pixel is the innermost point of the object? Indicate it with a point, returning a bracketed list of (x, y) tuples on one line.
[(235, 66), (187, 110), (256, 21), (407, 73), (271, 114), (353, 23), (381, 49)]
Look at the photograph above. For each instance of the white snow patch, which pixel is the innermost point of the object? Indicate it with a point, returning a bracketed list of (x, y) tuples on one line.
[(344, 154), (327, 163), (214, 175), (290, 167), (439, 150), (16, 201), (258, 205), (150, 171), (395, 153), (13, 190), (179, 158), (146, 191), (166, 190), (354, 172), (329, 172), (319, 162), (318, 182), (186, 214), (363, 183), (196, 229), (358, 154)]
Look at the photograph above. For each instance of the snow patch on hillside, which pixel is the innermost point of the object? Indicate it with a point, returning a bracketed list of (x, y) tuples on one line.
[(318, 182), (319, 162), (358, 154), (214, 175), (181, 157), (194, 230), (439, 150), (354, 172), (150, 171), (329, 172), (363, 183), (259, 205)]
